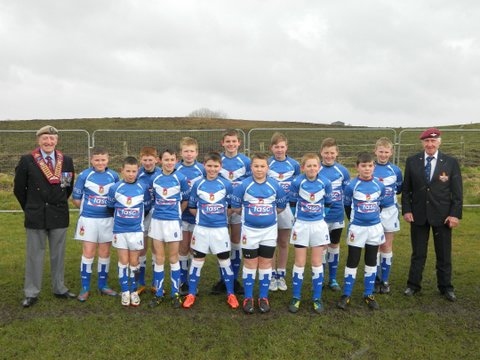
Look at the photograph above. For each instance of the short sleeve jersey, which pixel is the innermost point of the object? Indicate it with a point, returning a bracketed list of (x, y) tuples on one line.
[(283, 171), (339, 177), (236, 168), (169, 191), (193, 173), (365, 198), (310, 197), (259, 201), (130, 201), (211, 198), (92, 189), (391, 176)]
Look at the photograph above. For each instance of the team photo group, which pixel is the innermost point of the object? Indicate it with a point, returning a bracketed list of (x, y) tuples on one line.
[(247, 211)]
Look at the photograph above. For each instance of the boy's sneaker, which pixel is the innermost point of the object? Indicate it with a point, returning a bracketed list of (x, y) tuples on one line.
[(83, 296), (333, 285), (183, 291), (237, 287), (263, 305), (294, 305), (232, 301), (188, 301), (141, 289), (134, 299), (126, 298), (273, 284), (176, 301), (343, 302), (218, 288), (248, 306), (107, 291), (371, 302), (317, 306), (157, 300), (282, 284), (384, 287)]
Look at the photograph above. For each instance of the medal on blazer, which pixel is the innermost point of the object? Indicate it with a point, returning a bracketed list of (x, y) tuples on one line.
[(443, 177), (53, 178)]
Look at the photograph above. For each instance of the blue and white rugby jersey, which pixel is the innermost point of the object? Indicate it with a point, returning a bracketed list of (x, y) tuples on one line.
[(92, 189), (311, 197), (259, 201), (147, 177), (283, 171), (365, 198), (168, 193), (391, 176), (193, 173), (130, 202), (236, 168), (211, 198), (339, 177)]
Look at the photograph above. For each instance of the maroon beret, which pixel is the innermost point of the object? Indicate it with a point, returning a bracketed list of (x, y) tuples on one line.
[(433, 133)]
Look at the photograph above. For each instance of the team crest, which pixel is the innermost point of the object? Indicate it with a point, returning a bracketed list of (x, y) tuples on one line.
[(101, 189), (244, 239), (312, 196), (230, 175), (352, 237), (82, 231), (294, 236), (380, 179), (260, 201), (115, 239), (280, 176), (212, 197), (129, 201), (367, 196), (165, 191), (193, 240), (443, 177)]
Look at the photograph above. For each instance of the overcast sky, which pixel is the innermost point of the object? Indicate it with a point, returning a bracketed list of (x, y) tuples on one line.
[(376, 63)]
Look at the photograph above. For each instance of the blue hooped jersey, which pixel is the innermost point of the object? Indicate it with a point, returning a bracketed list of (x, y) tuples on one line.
[(311, 197), (236, 168), (193, 173), (259, 201), (169, 191), (211, 198), (92, 188), (365, 197), (391, 176), (339, 177), (130, 202), (283, 171)]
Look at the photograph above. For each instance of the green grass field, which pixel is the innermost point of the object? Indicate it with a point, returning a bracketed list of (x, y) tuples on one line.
[(423, 327)]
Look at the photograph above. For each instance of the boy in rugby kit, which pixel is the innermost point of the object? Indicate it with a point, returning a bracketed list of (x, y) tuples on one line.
[(193, 171), (391, 176), (147, 171), (258, 199), (235, 168), (210, 202), (364, 197), (339, 177), (95, 224), (310, 197), (284, 169), (170, 194), (130, 200)]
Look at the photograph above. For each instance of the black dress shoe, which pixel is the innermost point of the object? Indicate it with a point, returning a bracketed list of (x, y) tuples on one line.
[(409, 291), (450, 295), (66, 295), (29, 301)]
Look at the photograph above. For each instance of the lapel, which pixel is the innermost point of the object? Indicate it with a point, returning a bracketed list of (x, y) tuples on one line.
[(439, 171)]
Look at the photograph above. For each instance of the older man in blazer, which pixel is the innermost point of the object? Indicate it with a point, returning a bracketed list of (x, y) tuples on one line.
[(432, 198), (43, 182)]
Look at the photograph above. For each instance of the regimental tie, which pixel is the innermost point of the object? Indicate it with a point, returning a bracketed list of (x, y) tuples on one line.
[(50, 163), (428, 168)]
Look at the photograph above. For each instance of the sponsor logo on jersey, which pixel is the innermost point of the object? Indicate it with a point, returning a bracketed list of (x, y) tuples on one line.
[(127, 213), (212, 209), (97, 200), (260, 210), (367, 207)]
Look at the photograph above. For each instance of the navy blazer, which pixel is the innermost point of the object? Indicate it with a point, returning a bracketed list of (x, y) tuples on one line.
[(432, 201), (45, 205)]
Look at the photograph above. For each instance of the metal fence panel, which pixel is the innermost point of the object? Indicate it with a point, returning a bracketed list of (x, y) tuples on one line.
[(15, 143)]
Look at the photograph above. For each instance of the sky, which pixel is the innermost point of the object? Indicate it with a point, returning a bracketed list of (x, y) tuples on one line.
[(384, 63)]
